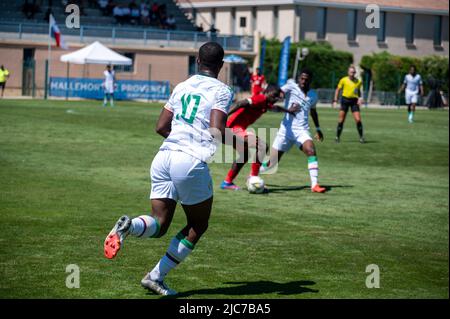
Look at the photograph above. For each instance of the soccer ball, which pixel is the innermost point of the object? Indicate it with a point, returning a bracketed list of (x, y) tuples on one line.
[(255, 185)]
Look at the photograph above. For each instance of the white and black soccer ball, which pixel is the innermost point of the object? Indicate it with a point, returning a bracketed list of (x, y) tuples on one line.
[(255, 185)]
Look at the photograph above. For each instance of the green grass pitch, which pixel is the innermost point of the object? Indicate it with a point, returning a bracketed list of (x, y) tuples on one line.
[(68, 170)]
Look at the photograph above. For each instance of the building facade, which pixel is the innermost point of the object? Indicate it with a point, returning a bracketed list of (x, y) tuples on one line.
[(402, 27), (26, 61)]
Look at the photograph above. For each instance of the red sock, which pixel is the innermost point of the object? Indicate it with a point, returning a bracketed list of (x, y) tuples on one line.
[(255, 169), (231, 175)]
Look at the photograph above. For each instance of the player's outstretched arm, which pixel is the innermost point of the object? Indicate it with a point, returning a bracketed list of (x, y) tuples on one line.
[(164, 125), (294, 108), (238, 105)]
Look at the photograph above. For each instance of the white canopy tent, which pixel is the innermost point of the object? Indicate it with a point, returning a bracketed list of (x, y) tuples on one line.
[(96, 53)]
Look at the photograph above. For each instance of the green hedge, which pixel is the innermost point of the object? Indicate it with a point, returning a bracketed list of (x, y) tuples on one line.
[(387, 71), (327, 64)]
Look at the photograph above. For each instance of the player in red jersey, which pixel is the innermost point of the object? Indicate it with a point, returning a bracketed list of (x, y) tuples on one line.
[(258, 82), (241, 116)]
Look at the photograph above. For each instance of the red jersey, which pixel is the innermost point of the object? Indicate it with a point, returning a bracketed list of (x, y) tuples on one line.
[(246, 116), (257, 82)]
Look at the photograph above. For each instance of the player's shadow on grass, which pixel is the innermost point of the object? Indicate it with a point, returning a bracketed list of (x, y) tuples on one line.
[(255, 288), (281, 189)]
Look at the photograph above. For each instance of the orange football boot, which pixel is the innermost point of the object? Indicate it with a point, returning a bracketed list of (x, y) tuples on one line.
[(318, 189)]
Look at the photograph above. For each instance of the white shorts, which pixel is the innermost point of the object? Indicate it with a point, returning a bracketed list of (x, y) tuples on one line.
[(284, 141), (181, 177), (108, 87), (411, 97)]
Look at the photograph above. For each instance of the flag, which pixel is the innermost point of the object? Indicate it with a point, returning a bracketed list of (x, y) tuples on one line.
[(56, 34), (284, 62)]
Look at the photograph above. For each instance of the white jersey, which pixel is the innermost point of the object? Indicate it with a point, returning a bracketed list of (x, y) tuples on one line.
[(191, 103), (306, 102), (109, 81), (412, 83)]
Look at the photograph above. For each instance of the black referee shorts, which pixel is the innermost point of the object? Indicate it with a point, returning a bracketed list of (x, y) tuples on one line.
[(349, 103)]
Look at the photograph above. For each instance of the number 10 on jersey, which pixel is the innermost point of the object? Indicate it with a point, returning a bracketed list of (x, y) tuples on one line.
[(190, 105)]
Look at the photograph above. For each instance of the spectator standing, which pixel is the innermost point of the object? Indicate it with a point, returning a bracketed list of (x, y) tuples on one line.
[(171, 22), (4, 76), (134, 14), (200, 28), (145, 14), (118, 14), (103, 6), (126, 11)]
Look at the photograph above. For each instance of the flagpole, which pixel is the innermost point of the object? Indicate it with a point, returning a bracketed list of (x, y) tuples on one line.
[(49, 50)]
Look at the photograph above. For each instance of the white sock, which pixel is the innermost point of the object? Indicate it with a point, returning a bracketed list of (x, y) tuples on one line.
[(144, 226), (179, 249), (313, 167)]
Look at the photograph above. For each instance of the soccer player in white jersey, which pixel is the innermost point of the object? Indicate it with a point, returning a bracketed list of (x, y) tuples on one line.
[(193, 123), (109, 86), (294, 129), (413, 86)]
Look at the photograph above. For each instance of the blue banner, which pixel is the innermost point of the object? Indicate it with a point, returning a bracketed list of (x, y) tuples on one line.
[(263, 55), (284, 62), (125, 89)]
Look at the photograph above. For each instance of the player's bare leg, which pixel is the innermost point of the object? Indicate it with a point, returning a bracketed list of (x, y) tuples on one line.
[(180, 247), (411, 111), (242, 145), (261, 150), (313, 166), (340, 127), (111, 99), (275, 157), (359, 126), (144, 226)]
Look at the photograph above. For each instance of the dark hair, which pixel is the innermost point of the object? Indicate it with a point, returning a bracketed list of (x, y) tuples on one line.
[(413, 66), (306, 71), (211, 55), (272, 88)]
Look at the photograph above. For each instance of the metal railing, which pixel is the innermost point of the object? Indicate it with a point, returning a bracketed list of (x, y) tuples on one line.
[(124, 35)]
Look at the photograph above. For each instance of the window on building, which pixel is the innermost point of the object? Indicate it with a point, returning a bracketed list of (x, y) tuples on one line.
[(352, 17), (126, 68), (28, 54), (243, 22), (321, 23), (437, 31), (381, 34), (409, 33)]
